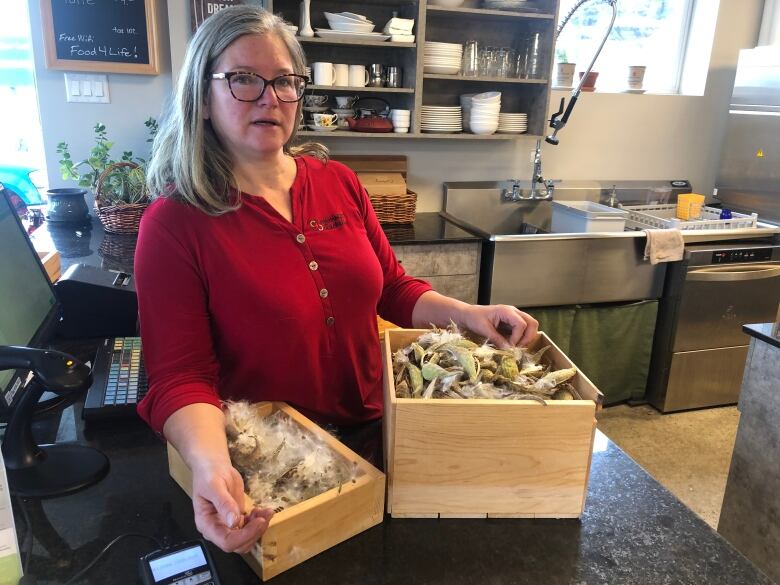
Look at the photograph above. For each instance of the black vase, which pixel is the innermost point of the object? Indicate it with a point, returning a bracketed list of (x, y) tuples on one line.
[(67, 206)]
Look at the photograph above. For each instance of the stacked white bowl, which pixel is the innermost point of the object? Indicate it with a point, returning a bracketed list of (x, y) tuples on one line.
[(442, 58), (512, 123), (483, 114), (401, 120), (349, 22), (441, 119)]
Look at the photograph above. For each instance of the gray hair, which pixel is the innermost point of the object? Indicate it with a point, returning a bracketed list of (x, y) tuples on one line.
[(188, 161)]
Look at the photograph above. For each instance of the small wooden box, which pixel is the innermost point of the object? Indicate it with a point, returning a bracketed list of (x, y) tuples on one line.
[(487, 458), (306, 529), (383, 183), (51, 262)]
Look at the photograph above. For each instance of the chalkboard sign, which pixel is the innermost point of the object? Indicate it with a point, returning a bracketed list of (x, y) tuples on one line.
[(117, 36)]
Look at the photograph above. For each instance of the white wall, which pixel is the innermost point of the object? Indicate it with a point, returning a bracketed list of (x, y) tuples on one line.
[(609, 136), (133, 99)]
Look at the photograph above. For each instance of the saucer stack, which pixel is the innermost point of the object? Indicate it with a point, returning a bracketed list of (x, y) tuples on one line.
[(483, 112), (441, 119), (343, 114), (442, 58), (512, 123)]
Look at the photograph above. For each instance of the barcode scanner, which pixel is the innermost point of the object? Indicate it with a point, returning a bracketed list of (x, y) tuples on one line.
[(43, 471)]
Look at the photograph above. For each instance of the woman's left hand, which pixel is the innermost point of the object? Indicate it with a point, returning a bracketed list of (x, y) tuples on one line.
[(493, 321)]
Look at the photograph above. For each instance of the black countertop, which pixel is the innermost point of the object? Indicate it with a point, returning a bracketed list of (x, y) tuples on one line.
[(91, 245), (768, 332), (633, 531)]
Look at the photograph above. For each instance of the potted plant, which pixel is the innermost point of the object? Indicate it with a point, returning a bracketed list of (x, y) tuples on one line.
[(564, 70), (119, 186)]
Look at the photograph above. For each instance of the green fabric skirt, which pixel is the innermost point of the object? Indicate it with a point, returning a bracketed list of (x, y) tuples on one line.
[(611, 343)]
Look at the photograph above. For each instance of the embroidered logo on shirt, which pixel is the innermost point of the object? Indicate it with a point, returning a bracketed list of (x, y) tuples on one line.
[(329, 223)]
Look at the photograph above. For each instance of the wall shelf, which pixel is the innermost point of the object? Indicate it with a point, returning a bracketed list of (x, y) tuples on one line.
[(383, 44), (416, 135), (484, 79), (497, 28), (364, 89), (486, 13)]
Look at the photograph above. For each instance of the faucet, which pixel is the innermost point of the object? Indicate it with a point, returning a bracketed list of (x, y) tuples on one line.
[(538, 178), (535, 194)]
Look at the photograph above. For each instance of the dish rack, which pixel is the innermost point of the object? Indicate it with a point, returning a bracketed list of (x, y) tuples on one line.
[(642, 217)]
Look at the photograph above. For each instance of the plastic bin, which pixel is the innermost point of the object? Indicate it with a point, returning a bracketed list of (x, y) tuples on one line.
[(586, 216)]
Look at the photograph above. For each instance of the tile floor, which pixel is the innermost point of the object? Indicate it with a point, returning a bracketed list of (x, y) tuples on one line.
[(689, 453)]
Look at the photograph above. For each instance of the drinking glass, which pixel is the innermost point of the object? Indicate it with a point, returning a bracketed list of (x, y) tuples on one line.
[(470, 66), (487, 63), (533, 57)]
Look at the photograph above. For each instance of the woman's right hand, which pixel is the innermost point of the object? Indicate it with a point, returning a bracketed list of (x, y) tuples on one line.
[(218, 502)]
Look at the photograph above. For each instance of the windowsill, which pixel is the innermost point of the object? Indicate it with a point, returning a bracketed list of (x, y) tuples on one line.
[(620, 92)]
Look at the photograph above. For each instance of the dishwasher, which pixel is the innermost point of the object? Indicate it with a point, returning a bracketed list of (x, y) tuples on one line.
[(699, 349)]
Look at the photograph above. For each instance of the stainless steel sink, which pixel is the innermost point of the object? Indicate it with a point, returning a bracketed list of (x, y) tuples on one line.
[(525, 266)]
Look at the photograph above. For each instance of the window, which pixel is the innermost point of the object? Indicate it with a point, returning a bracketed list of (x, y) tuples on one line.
[(21, 139), (653, 33)]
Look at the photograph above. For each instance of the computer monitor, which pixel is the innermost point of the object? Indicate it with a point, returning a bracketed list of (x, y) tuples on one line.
[(28, 306)]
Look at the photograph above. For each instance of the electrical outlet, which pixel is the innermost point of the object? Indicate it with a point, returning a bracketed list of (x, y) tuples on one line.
[(87, 87)]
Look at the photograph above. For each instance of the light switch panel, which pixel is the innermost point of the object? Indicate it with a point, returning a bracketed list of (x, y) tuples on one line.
[(87, 87)]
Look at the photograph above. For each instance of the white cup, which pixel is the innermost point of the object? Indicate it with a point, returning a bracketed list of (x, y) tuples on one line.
[(346, 101), (314, 100), (358, 76), (325, 120), (636, 76), (341, 74), (324, 73)]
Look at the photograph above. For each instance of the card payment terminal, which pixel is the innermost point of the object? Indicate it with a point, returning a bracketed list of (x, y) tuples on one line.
[(188, 563)]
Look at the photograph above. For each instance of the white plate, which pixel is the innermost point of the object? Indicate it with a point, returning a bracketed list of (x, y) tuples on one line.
[(315, 109), (326, 33), (436, 69), (346, 17), (354, 15), (442, 45), (344, 111), (438, 131), (634, 90), (321, 128), (360, 27)]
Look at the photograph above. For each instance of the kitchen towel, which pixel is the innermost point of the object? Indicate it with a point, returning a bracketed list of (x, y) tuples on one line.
[(664, 245)]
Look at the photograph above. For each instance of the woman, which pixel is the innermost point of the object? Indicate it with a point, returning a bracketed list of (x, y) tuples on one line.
[(261, 267)]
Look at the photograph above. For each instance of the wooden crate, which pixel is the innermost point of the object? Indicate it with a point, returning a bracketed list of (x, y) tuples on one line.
[(494, 458), (51, 262), (306, 529)]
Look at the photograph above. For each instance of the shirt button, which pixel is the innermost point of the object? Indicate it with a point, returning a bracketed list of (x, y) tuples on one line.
[(330, 321), (313, 265), (301, 238), (324, 292), (313, 223)]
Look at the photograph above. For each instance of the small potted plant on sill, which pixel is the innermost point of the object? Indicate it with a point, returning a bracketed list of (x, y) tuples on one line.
[(120, 190), (564, 70)]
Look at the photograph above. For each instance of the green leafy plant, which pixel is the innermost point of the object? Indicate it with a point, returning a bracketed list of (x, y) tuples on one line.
[(561, 56), (122, 184)]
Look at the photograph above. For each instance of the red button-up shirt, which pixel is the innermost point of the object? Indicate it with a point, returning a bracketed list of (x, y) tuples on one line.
[(248, 305)]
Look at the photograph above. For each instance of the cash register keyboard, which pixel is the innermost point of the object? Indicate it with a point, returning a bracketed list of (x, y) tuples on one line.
[(119, 379)]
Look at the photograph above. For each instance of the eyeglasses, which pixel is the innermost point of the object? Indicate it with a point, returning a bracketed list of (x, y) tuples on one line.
[(250, 87)]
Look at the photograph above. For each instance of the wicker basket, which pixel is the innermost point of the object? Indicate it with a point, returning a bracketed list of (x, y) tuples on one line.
[(118, 219), (395, 208)]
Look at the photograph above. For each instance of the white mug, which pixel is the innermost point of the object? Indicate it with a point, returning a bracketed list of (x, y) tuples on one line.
[(341, 74), (324, 73), (358, 76)]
